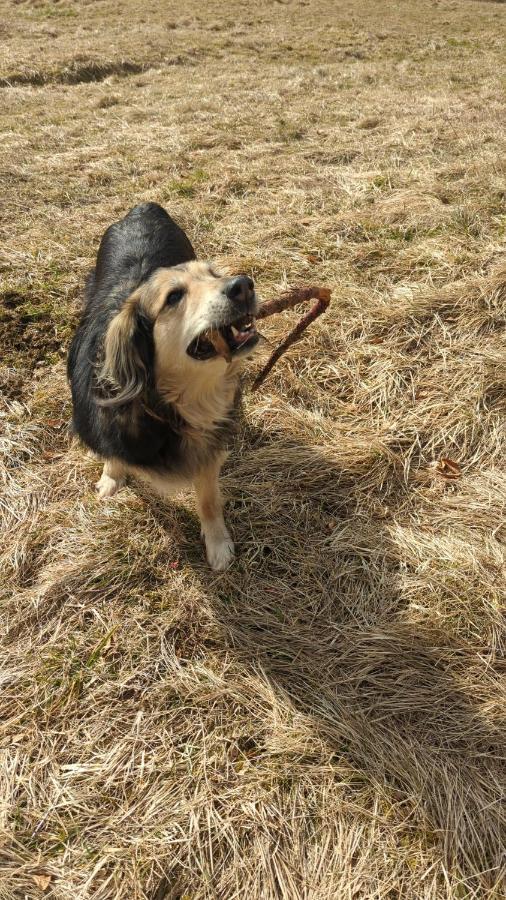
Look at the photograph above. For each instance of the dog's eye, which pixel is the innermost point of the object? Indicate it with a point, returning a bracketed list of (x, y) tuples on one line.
[(174, 297)]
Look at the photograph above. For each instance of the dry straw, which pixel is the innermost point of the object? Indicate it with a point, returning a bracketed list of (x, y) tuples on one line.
[(326, 720)]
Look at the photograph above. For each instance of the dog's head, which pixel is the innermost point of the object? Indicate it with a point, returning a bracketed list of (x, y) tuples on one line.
[(180, 320)]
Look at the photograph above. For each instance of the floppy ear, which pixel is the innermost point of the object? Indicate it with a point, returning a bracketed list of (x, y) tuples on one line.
[(128, 354)]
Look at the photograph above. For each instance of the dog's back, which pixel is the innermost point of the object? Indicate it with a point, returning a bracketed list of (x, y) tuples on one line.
[(131, 249)]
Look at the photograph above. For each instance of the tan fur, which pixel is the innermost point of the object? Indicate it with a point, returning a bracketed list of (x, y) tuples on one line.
[(219, 546), (202, 392), (121, 362), (112, 479)]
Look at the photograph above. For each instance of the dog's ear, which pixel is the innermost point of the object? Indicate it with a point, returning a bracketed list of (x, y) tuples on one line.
[(128, 354)]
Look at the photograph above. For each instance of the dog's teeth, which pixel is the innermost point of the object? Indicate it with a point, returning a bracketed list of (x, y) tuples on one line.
[(235, 331)]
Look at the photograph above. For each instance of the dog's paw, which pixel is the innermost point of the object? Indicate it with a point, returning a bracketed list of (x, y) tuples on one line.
[(108, 486), (220, 553)]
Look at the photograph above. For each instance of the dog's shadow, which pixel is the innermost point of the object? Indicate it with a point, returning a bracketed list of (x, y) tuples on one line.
[(315, 602)]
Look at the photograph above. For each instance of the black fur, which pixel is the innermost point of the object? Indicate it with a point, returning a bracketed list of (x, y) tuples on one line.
[(144, 432)]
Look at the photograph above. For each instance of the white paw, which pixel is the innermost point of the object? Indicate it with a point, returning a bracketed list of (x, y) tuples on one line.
[(220, 552), (108, 486)]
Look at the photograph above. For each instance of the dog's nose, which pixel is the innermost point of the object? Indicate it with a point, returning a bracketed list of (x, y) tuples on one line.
[(240, 289)]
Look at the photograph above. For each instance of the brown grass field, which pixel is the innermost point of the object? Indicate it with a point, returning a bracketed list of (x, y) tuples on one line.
[(327, 720)]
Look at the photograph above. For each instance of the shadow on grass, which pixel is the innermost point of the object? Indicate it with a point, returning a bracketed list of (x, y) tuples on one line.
[(318, 609)]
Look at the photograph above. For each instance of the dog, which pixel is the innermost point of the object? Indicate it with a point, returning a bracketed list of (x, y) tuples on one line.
[(154, 365)]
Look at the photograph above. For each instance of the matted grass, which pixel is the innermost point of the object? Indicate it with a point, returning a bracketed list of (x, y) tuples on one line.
[(326, 720)]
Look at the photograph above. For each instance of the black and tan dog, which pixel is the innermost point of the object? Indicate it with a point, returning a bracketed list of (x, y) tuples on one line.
[(154, 365)]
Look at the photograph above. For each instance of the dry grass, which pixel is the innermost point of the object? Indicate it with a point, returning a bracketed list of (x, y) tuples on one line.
[(327, 720)]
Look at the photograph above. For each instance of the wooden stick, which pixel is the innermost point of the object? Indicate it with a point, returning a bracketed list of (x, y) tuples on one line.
[(219, 343), (287, 301)]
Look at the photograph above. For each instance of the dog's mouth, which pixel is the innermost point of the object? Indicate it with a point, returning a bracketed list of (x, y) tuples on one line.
[(225, 340)]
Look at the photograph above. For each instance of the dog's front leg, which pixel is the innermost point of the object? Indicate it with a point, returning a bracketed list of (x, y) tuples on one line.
[(112, 478), (219, 544)]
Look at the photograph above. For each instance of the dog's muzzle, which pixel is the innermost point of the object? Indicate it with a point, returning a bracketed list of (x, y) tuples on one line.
[(236, 332)]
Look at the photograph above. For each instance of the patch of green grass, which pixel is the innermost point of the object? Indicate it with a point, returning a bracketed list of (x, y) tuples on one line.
[(382, 181), (400, 233), (54, 11), (188, 186), (458, 42)]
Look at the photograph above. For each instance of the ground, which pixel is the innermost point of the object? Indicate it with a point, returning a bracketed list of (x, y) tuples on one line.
[(327, 719)]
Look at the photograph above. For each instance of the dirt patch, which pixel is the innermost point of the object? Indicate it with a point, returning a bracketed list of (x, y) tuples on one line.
[(32, 331)]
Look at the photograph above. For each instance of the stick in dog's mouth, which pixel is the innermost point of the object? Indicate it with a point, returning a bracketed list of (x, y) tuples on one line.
[(225, 340)]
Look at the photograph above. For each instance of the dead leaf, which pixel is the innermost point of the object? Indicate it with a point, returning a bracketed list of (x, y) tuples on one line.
[(448, 468), (312, 259), (42, 881)]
